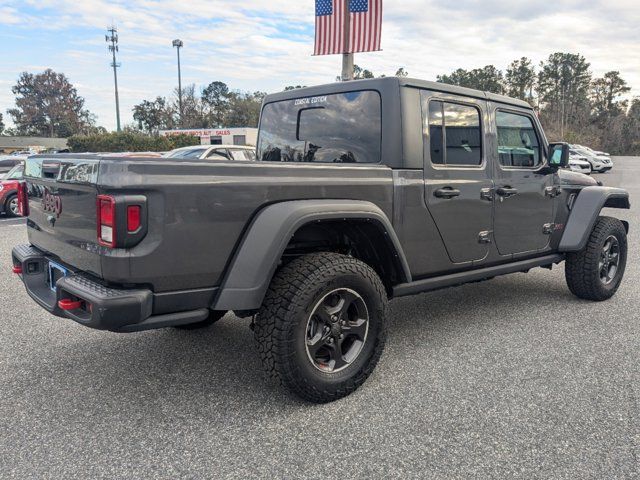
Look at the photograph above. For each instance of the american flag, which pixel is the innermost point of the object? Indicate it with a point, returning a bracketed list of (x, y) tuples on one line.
[(365, 24)]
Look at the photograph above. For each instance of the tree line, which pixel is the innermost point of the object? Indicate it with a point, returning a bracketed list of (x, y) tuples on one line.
[(216, 105), (572, 104)]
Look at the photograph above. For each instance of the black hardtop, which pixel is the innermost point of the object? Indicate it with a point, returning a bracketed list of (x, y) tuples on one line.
[(388, 85)]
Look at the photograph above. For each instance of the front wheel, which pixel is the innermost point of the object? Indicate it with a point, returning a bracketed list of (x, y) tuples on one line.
[(595, 272), (322, 326)]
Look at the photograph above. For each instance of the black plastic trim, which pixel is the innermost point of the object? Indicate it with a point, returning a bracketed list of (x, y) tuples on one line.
[(479, 274), (259, 253), (585, 211)]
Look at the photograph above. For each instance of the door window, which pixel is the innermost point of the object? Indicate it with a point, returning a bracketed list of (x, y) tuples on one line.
[(454, 134), (518, 144)]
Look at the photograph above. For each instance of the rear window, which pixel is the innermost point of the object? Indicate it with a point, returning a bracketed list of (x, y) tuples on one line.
[(339, 128)]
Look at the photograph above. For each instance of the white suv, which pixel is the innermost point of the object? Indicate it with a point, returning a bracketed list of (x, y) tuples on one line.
[(599, 163)]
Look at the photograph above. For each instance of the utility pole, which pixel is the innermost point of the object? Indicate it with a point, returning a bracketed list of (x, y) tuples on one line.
[(347, 58), (178, 44), (112, 39)]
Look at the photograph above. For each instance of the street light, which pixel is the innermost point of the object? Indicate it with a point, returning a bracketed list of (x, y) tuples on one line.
[(178, 44)]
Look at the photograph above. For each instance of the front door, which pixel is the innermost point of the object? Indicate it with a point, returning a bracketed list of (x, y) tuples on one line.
[(457, 176), (524, 190)]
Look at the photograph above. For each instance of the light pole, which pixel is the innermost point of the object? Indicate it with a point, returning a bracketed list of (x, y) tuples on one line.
[(112, 39), (178, 44)]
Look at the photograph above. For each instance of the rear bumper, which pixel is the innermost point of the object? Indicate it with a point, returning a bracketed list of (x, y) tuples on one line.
[(100, 307)]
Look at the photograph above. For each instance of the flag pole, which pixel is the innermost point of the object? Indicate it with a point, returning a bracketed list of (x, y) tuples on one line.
[(347, 58)]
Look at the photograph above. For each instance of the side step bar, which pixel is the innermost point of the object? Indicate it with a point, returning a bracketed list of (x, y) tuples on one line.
[(460, 278)]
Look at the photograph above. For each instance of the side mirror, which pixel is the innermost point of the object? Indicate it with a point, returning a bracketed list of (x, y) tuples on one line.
[(558, 155)]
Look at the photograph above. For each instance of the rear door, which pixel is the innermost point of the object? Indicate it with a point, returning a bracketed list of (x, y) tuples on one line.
[(524, 188), (62, 209), (457, 175)]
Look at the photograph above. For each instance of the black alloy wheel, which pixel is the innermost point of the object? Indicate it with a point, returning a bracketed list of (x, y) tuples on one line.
[(337, 330)]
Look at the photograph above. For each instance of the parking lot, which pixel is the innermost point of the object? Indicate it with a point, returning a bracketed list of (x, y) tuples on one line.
[(513, 377)]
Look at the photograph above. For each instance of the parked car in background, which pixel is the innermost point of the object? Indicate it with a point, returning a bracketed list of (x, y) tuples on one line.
[(214, 152), (599, 163), (595, 152), (9, 191), (7, 162), (579, 164)]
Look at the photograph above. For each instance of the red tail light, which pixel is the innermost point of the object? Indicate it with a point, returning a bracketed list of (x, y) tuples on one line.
[(106, 210), (133, 218), (23, 199), (17, 269)]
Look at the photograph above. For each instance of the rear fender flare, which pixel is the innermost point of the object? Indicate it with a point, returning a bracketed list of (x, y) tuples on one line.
[(256, 259), (585, 212)]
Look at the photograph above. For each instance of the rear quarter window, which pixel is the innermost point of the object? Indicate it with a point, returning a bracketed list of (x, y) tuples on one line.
[(338, 128)]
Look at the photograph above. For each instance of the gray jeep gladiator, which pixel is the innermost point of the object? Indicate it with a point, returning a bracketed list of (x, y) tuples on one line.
[(363, 191)]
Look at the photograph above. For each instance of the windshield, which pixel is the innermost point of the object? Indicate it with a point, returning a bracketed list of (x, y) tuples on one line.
[(339, 128), (15, 173)]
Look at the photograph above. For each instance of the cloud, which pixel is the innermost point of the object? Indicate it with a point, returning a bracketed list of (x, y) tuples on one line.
[(259, 45)]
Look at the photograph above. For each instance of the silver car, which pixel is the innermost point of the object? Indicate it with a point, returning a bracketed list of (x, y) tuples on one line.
[(214, 152), (599, 163)]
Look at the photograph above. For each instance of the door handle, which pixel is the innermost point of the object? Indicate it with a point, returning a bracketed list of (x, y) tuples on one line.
[(446, 192), (506, 191)]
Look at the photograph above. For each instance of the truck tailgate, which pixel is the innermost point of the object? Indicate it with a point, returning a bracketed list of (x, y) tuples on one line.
[(62, 209)]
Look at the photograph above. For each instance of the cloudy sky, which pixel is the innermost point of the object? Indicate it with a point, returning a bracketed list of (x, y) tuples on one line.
[(267, 44)]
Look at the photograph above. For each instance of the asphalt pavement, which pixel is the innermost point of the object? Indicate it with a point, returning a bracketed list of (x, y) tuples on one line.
[(511, 378)]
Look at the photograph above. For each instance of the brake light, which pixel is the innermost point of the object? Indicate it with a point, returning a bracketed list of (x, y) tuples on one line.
[(17, 269), (23, 199), (106, 213), (133, 218)]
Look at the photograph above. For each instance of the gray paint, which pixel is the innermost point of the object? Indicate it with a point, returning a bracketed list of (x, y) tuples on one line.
[(216, 229)]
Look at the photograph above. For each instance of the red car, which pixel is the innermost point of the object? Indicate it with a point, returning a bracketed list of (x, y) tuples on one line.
[(9, 191)]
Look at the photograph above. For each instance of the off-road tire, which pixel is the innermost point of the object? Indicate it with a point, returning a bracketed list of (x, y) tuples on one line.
[(582, 268), (280, 329), (214, 316)]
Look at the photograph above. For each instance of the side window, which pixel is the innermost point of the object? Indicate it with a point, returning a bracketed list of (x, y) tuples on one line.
[(436, 133), (454, 133), (518, 144)]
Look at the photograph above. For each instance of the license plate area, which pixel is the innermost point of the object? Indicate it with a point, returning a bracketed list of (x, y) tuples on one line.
[(55, 272)]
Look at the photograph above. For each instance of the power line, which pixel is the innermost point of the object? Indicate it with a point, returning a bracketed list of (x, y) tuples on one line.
[(112, 39)]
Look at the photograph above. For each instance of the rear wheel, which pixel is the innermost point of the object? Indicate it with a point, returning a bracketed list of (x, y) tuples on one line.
[(595, 272), (11, 206), (322, 326), (213, 317)]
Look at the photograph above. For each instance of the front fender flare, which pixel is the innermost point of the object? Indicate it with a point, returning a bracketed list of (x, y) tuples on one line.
[(585, 212), (256, 259)]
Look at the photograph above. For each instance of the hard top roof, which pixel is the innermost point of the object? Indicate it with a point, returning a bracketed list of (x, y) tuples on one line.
[(383, 83)]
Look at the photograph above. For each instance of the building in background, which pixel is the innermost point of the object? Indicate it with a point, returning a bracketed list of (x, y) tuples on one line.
[(10, 144), (219, 136)]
